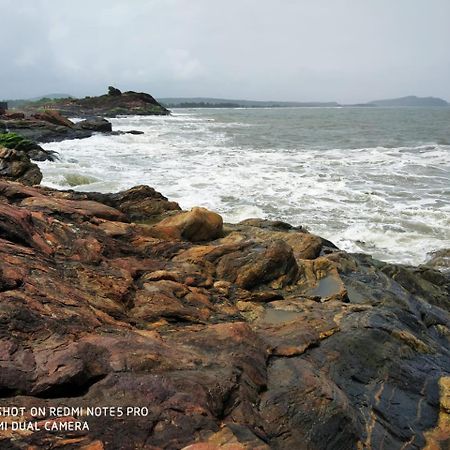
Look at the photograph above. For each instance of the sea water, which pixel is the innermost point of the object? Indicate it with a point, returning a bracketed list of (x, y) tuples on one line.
[(373, 180)]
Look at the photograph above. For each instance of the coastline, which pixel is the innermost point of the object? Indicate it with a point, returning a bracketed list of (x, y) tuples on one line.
[(257, 334), (370, 194)]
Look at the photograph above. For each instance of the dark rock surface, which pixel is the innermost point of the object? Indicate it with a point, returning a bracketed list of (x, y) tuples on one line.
[(50, 126), (266, 337), (39, 130), (97, 124), (16, 166)]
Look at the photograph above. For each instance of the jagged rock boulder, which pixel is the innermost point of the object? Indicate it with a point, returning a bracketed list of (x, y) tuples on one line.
[(98, 124), (199, 224), (53, 117), (33, 150), (139, 204), (16, 165), (114, 91)]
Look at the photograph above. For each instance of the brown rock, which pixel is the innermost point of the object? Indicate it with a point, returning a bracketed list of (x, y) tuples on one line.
[(16, 166), (140, 203), (231, 437), (73, 208), (256, 264), (196, 225), (54, 117), (250, 341), (13, 115)]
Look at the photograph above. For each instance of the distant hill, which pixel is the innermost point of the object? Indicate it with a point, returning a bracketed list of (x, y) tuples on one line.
[(210, 102), (51, 96), (18, 103), (411, 100)]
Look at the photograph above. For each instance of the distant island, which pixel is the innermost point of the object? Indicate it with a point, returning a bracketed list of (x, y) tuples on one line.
[(411, 100), (207, 102)]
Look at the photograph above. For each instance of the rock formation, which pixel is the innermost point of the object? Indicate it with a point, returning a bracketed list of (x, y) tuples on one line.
[(24, 145), (109, 105), (50, 126), (16, 165), (249, 336)]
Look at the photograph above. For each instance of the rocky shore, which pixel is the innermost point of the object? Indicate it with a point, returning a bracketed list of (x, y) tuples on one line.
[(51, 126), (256, 335), (41, 122)]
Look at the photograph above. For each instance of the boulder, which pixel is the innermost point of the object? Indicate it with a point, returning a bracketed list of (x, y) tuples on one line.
[(54, 117), (140, 203), (439, 260), (33, 150), (114, 91), (254, 264), (196, 225), (98, 125), (16, 165)]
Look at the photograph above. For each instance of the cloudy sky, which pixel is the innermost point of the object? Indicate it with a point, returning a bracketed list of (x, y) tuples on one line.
[(343, 50)]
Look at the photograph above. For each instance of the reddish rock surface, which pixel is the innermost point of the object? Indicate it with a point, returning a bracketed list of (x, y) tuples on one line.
[(262, 336)]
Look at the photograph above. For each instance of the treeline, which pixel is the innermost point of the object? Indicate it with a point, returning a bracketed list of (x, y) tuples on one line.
[(202, 105)]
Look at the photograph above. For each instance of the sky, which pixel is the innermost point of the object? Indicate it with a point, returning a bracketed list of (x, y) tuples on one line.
[(301, 50)]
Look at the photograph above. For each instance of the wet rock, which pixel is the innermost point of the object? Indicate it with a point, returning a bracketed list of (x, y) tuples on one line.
[(39, 131), (255, 339), (197, 225), (140, 203), (440, 260), (257, 264), (305, 245), (120, 132), (98, 125), (231, 436), (16, 165)]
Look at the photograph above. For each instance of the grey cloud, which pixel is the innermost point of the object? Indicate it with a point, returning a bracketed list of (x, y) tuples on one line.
[(344, 50)]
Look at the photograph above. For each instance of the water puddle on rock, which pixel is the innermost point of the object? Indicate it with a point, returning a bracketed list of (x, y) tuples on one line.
[(326, 287), (277, 316)]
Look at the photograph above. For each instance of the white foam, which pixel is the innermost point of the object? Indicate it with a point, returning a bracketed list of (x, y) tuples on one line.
[(390, 202)]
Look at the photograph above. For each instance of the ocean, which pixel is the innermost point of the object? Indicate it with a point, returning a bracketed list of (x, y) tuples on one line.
[(372, 180)]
